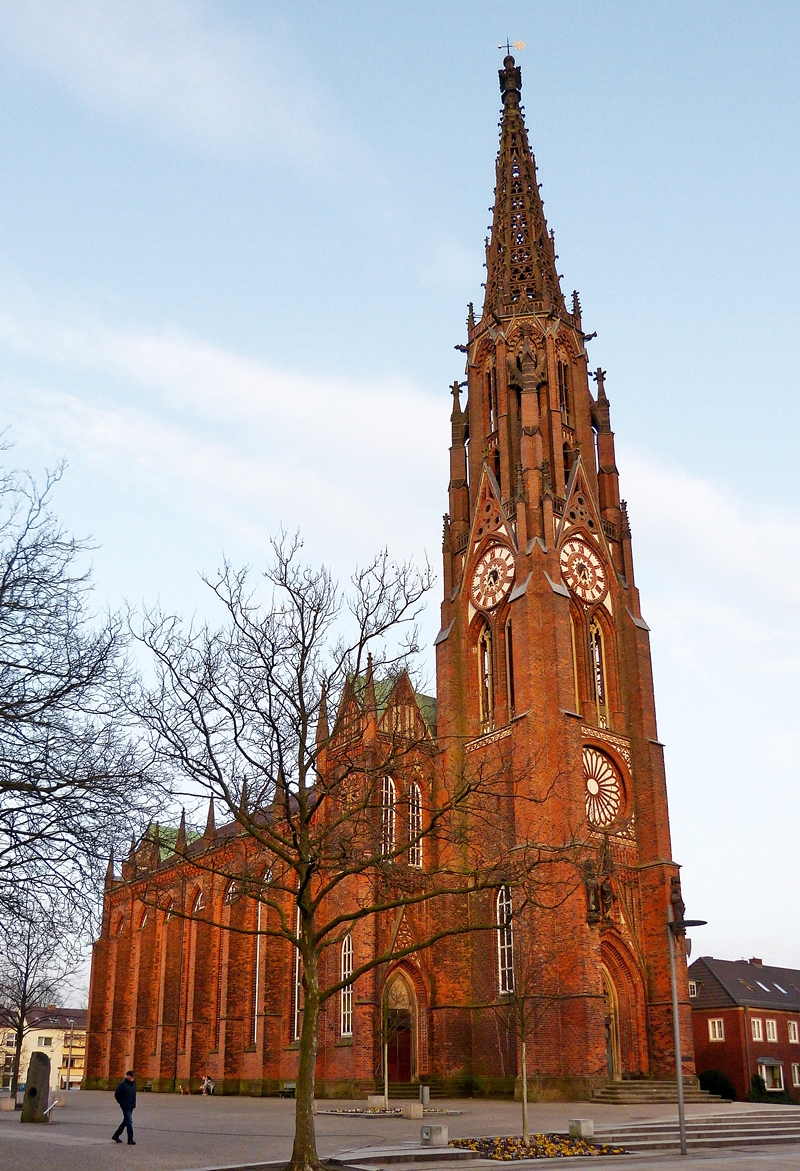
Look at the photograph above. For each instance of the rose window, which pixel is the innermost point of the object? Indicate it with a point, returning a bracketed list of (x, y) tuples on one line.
[(603, 789)]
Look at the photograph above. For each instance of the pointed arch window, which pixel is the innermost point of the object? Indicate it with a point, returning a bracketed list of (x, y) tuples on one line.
[(415, 825), (505, 940), (297, 984), (575, 675), (485, 680), (388, 798), (255, 981), (564, 390), (199, 903), (510, 686), (230, 893), (491, 394), (346, 996), (597, 654)]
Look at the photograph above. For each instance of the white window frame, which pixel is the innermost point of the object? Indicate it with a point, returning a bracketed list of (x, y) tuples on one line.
[(772, 1030), (388, 808), (692, 990), (346, 996), (415, 825), (796, 1073), (768, 1071), (716, 1029), (756, 1029), (794, 1033), (505, 940)]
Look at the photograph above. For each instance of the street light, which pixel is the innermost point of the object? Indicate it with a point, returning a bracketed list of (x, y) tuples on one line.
[(69, 1066), (674, 925)]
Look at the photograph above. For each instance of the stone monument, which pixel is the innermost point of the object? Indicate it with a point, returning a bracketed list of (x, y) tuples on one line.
[(37, 1090)]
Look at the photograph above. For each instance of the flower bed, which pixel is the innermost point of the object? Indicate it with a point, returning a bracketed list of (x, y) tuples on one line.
[(541, 1146)]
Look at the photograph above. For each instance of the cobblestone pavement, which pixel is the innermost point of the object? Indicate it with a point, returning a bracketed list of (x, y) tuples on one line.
[(175, 1133)]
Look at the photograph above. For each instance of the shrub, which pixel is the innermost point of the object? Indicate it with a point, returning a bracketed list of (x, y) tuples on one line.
[(760, 1093), (717, 1082)]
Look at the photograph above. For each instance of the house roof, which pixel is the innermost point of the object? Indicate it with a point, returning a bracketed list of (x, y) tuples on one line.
[(726, 983), (57, 1018)]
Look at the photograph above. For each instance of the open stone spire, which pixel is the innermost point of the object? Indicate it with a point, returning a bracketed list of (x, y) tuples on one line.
[(520, 258)]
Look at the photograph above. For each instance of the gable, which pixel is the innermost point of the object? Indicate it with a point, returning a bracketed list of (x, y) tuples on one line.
[(489, 519)]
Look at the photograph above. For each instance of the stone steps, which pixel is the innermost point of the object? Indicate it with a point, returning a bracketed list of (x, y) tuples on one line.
[(408, 1091), (761, 1128), (647, 1091)]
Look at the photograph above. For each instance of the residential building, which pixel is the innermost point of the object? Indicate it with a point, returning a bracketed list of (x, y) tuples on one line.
[(58, 1032), (746, 1021)]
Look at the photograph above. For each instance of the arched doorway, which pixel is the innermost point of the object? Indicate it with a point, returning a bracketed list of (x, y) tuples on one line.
[(625, 1010), (612, 1028), (400, 1020)]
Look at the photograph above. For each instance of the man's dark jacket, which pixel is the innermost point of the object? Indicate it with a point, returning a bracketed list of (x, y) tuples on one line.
[(125, 1094)]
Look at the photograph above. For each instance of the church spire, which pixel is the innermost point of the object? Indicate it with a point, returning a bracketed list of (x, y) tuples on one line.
[(520, 258)]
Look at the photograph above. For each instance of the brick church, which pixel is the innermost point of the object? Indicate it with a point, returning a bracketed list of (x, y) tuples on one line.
[(544, 675)]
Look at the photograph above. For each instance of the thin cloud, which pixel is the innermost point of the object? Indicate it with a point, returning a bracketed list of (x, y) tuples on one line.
[(178, 67), (232, 440)]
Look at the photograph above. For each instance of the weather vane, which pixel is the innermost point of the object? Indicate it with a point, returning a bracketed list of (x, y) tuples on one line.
[(508, 46)]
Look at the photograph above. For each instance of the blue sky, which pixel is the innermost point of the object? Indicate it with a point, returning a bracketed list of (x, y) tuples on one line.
[(237, 242)]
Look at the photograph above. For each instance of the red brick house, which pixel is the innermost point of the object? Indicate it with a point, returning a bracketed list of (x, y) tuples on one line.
[(544, 673), (746, 1021)]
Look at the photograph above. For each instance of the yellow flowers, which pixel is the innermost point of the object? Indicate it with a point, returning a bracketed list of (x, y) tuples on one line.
[(541, 1146)]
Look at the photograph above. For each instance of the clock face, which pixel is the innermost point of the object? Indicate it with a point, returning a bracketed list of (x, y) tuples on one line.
[(582, 569), (493, 577)]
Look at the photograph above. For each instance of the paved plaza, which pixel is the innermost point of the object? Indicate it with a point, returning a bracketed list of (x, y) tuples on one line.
[(175, 1133)]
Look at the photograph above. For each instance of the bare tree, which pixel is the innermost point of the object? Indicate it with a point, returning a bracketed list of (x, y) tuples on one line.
[(38, 953), (531, 989), (72, 781), (241, 713)]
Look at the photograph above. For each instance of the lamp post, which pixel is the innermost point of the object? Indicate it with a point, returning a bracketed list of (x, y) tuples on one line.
[(69, 1059), (674, 925)]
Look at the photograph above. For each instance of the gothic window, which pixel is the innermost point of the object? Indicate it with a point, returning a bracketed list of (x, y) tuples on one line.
[(563, 389), (510, 669), (256, 972), (414, 825), (297, 985), (567, 464), (575, 676), (199, 903), (230, 893), (143, 920), (597, 655), (485, 680), (491, 392), (505, 940), (346, 996), (388, 797)]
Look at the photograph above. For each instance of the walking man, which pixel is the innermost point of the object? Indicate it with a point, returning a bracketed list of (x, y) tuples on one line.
[(125, 1094)]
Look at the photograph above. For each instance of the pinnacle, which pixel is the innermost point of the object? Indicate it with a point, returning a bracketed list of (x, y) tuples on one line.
[(520, 259)]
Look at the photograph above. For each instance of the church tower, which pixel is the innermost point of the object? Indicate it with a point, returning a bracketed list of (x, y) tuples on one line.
[(544, 673)]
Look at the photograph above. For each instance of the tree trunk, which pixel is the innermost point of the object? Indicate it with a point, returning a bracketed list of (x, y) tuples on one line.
[(304, 1150), (526, 1133), (17, 1058)]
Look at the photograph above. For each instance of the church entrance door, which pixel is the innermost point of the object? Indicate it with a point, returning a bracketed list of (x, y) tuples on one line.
[(612, 1029), (399, 1023), (399, 1045)]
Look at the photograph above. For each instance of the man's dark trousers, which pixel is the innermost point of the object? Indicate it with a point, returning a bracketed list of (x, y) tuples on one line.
[(126, 1124)]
